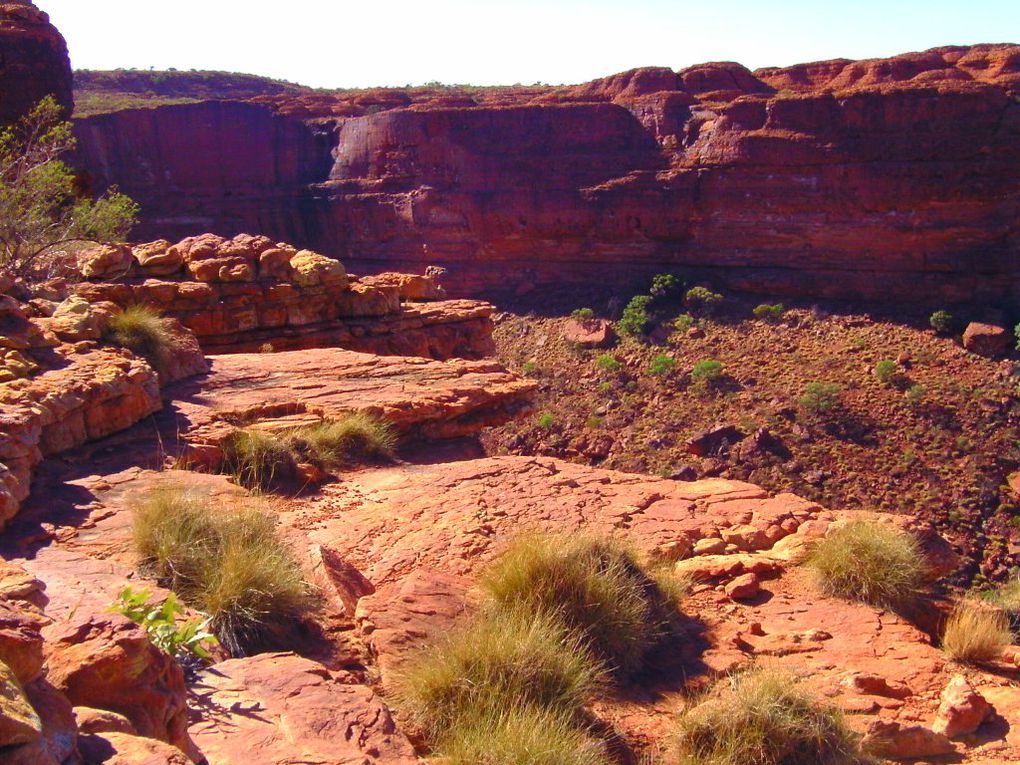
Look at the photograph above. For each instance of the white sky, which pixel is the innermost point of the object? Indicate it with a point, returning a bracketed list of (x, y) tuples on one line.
[(399, 42)]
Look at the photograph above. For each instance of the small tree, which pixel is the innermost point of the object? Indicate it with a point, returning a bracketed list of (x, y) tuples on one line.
[(40, 207), (942, 322), (702, 301), (635, 318)]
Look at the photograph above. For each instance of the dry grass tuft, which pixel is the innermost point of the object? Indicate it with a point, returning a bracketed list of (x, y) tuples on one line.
[(258, 460), (357, 437), (869, 562), (228, 562), (140, 329), (976, 632), (762, 717)]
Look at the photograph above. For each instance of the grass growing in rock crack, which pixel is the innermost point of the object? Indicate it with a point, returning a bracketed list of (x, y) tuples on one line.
[(595, 586), (228, 562), (356, 437), (258, 459), (140, 328), (976, 632), (763, 717), (869, 562)]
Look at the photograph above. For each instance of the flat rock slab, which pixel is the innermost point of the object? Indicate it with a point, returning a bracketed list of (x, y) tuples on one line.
[(431, 398), (278, 708)]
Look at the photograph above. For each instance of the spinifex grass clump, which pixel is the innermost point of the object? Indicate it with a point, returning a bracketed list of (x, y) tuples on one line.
[(763, 717), (976, 632), (594, 586), (354, 438), (504, 659), (140, 329), (226, 561), (258, 459), (870, 562)]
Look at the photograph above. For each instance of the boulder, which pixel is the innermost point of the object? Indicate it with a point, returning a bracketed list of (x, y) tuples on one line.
[(987, 339), (107, 261), (119, 748), (311, 270), (897, 741), (92, 720), (743, 587), (21, 641), (158, 258), (19, 723), (593, 333), (962, 709), (714, 441)]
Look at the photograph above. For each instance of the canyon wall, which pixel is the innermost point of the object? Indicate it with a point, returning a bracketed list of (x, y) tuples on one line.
[(894, 179), (33, 60)]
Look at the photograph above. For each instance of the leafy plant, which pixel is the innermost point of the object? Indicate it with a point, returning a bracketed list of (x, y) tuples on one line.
[(683, 323), (915, 394), (608, 363), (770, 312), (886, 371), (707, 371), (582, 315), (702, 300), (635, 318), (942, 322), (546, 421), (530, 369), (664, 285), (661, 365), (162, 624), (821, 397), (40, 208)]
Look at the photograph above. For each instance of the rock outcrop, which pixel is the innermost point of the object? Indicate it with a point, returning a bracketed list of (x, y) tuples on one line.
[(893, 179), (33, 60)]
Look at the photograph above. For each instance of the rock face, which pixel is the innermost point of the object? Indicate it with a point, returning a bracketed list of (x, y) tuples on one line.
[(33, 60), (892, 179)]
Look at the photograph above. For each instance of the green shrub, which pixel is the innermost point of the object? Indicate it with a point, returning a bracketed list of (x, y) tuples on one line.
[(608, 363), (664, 285), (140, 328), (225, 561), (583, 315), (821, 397), (771, 312), (764, 717), (162, 623), (530, 369), (942, 322), (869, 562), (498, 660), (546, 421), (595, 586), (886, 371), (707, 371), (520, 735), (701, 300), (976, 632), (683, 323), (635, 318), (258, 459), (914, 395), (352, 439), (661, 365)]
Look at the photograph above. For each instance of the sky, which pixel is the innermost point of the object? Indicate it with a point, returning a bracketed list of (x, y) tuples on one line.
[(337, 43)]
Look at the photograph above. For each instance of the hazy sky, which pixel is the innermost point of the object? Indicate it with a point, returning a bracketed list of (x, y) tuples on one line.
[(395, 42)]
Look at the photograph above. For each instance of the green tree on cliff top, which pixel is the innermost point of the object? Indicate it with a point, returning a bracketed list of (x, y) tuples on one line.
[(42, 213)]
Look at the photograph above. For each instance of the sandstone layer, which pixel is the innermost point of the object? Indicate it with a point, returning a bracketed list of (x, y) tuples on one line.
[(892, 179)]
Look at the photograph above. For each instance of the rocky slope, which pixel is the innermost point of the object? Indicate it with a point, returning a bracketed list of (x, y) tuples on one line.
[(892, 179)]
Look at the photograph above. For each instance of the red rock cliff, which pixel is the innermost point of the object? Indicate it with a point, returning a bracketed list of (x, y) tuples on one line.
[(895, 179), (33, 60)]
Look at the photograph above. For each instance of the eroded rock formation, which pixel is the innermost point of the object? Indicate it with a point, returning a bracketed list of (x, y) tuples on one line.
[(34, 61), (892, 178)]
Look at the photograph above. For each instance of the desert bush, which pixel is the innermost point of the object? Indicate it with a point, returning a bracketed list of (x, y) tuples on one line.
[(499, 660), (914, 395), (701, 300), (139, 328), (635, 318), (530, 369), (763, 717), (545, 421), (582, 315), (354, 438), (771, 312), (608, 363), (664, 285), (520, 735), (942, 322), (821, 397), (258, 459), (869, 562), (707, 371), (976, 632), (887, 371), (595, 586), (225, 561), (661, 365), (683, 323)]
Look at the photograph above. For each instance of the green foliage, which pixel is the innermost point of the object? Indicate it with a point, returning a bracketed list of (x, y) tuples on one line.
[(887, 371), (661, 365), (546, 421), (635, 318), (162, 624), (764, 717), (140, 328), (258, 459), (870, 562), (665, 285), (914, 395), (595, 586), (707, 371), (583, 315), (225, 560), (40, 209), (821, 397), (701, 300), (530, 369), (942, 322), (606, 362), (683, 323), (771, 312), (354, 438)]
